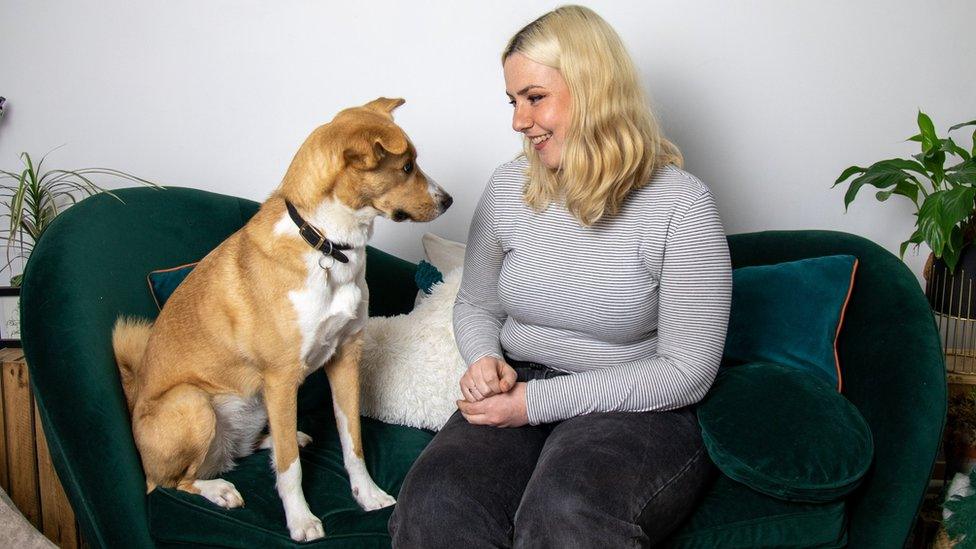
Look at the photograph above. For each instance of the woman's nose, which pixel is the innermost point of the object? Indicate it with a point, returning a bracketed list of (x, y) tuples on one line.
[(521, 121)]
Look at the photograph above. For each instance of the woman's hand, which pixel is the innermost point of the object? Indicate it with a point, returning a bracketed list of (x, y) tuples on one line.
[(507, 409), (485, 377)]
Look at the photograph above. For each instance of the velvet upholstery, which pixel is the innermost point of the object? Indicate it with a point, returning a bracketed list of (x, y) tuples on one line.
[(91, 266), (802, 334), (785, 433), (731, 515), (163, 282)]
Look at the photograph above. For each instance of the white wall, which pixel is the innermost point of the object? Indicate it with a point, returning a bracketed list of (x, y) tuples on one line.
[(769, 100)]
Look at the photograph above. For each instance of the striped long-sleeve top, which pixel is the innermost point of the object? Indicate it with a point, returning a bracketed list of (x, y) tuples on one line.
[(635, 306)]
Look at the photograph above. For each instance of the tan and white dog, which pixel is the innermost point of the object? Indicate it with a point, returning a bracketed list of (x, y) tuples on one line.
[(265, 309)]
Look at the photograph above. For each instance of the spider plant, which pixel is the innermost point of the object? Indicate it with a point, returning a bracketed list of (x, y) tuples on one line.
[(33, 197)]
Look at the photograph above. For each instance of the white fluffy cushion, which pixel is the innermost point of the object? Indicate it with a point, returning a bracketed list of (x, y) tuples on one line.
[(411, 366), (442, 253)]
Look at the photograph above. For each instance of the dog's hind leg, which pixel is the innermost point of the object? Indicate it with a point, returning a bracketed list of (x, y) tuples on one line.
[(343, 374), (174, 433)]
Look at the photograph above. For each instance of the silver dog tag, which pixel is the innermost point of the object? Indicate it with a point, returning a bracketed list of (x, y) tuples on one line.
[(331, 261)]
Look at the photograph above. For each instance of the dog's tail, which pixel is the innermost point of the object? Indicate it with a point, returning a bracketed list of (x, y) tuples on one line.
[(129, 339)]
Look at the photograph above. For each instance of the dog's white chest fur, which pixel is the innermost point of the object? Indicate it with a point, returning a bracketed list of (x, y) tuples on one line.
[(333, 302), (330, 306)]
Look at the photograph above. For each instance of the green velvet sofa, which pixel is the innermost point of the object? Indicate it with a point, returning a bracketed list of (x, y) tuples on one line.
[(91, 266)]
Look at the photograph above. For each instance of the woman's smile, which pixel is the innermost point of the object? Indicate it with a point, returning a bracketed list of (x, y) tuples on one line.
[(540, 141)]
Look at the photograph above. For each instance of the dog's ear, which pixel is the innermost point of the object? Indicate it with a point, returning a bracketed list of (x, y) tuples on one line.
[(373, 145), (384, 105)]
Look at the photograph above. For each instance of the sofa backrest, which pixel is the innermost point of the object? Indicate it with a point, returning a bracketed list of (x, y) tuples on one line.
[(88, 268)]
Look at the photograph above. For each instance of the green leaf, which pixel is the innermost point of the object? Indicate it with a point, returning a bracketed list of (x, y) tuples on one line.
[(963, 173), (30, 166), (847, 173), (916, 238), (902, 164), (951, 257), (963, 125), (929, 139), (881, 175), (934, 162), (41, 163), (949, 146), (903, 188), (939, 213)]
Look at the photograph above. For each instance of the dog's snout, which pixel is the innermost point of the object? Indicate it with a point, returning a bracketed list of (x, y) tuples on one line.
[(446, 202)]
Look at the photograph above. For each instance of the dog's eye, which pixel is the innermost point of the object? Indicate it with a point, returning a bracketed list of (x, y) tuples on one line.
[(408, 167)]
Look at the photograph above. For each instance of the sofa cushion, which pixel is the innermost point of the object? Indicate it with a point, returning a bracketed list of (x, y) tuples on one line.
[(163, 282), (784, 433), (791, 313), (177, 517), (730, 515)]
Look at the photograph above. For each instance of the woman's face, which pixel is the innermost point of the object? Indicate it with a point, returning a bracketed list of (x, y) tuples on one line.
[(542, 106)]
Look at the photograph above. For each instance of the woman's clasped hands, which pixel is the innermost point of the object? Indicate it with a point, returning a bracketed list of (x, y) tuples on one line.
[(492, 396)]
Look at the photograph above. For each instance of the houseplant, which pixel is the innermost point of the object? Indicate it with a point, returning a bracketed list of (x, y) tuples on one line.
[(945, 215), (32, 198), (961, 525)]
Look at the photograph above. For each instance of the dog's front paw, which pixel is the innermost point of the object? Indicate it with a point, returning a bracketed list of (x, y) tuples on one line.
[(371, 497), (305, 528)]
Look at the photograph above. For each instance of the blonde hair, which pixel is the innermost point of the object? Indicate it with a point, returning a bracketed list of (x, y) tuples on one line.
[(613, 143)]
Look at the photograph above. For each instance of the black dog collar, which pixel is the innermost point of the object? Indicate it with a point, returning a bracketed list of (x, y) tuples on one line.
[(315, 238)]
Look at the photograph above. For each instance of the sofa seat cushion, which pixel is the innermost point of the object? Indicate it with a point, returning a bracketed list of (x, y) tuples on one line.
[(732, 515), (177, 517)]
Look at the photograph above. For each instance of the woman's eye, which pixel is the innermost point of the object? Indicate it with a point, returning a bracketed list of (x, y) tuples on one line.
[(512, 102), (408, 167), (535, 98)]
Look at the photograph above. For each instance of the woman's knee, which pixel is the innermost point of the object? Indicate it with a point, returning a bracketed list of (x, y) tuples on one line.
[(441, 514), (673, 503), (554, 514), (442, 501)]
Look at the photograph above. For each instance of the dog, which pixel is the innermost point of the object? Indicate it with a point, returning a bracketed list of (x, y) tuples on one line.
[(282, 297)]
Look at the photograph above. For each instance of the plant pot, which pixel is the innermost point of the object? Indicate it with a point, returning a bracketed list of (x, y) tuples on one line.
[(953, 293)]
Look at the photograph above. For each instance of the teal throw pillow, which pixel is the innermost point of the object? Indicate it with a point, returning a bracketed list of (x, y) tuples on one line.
[(163, 282), (426, 276), (791, 314), (788, 436)]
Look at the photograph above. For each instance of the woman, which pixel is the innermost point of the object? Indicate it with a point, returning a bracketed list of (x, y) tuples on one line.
[(592, 311)]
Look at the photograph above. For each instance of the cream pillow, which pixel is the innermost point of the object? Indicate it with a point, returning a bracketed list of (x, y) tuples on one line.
[(411, 367), (446, 255), (442, 253)]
